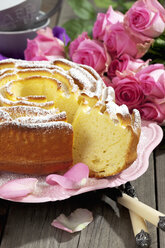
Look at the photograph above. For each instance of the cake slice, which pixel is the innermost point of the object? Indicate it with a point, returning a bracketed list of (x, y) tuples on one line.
[(105, 138)]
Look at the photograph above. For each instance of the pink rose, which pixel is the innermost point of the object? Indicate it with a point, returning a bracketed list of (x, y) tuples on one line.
[(116, 65), (150, 111), (103, 20), (114, 16), (125, 65), (118, 42), (152, 80), (146, 19), (100, 26), (92, 53), (128, 91), (44, 47), (74, 44), (135, 65)]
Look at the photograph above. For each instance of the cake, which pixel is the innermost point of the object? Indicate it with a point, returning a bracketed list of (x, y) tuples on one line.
[(100, 143), (55, 114)]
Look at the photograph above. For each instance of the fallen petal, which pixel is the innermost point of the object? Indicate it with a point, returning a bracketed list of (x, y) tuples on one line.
[(65, 182), (74, 178), (75, 222), (18, 188), (78, 172)]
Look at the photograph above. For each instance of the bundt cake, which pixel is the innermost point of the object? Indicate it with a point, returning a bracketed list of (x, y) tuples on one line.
[(55, 114)]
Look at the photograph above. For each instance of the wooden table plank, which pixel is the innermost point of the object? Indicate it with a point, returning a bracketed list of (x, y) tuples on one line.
[(29, 225), (160, 173), (145, 188), (4, 207)]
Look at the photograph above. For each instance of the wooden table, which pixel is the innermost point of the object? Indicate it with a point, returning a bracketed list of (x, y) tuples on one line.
[(29, 225)]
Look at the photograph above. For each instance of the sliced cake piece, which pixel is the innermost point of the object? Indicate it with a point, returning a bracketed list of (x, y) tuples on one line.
[(105, 139)]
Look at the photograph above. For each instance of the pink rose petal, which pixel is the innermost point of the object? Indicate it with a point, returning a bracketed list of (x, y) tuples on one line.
[(66, 183), (78, 172), (72, 179), (18, 188), (75, 222)]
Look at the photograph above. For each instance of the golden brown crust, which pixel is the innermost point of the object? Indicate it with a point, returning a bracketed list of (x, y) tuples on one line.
[(39, 149), (35, 169)]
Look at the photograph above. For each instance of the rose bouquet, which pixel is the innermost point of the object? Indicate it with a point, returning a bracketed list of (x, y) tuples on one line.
[(121, 40)]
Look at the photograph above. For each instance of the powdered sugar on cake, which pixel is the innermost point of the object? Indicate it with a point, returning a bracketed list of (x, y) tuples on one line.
[(81, 79)]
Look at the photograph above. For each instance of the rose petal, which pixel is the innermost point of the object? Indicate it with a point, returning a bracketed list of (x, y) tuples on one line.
[(75, 222), (18, 188), (63, 181), (78, 172), (72, 179)]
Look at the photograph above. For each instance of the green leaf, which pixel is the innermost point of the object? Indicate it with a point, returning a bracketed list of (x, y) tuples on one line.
[(162, 36), (88, 26), (74, 27), (159, 42), (158, 61), (83, 9), (162, 2), (105, 3), (128, 5)]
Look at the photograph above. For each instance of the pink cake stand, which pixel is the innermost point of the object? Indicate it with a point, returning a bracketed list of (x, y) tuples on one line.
[(151, 135)]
